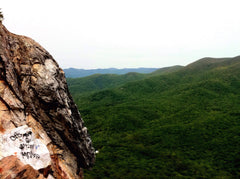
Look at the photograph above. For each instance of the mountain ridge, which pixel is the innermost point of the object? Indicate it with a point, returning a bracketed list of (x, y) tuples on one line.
[(77, 73), (101, 81)]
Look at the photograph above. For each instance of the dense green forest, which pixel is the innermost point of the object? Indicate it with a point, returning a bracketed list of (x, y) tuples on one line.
[(183, 123)]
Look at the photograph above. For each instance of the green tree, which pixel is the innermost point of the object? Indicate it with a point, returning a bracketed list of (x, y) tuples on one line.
[(1, 15)]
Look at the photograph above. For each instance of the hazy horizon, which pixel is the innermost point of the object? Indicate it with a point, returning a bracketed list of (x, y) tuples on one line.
[(112, 68), (128, 34)]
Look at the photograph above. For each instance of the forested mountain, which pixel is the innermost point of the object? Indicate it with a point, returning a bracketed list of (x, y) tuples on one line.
[(103, 81), (77, 73), (181, 124)]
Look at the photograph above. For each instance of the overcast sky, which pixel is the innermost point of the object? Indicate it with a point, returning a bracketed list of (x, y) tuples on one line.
[(128, 33)]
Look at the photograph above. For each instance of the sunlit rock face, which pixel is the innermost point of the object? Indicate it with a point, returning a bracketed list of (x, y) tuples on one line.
[(38, 118)]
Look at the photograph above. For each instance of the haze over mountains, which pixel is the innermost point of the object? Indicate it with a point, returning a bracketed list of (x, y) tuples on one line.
[(76, 73), (183, 123)]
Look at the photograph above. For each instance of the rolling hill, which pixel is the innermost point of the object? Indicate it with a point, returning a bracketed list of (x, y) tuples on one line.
[(180, 124), (96, 82)]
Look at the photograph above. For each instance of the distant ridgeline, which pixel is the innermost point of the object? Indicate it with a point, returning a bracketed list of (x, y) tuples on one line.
[(76, 73)]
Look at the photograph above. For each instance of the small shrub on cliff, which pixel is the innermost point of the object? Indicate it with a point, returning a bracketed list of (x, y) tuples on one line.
[(1, 15)]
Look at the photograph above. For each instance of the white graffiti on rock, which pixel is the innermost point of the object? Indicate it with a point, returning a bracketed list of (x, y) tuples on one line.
[(22, 143)]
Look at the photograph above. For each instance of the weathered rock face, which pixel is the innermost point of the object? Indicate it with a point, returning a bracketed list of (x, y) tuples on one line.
[(39, 122)]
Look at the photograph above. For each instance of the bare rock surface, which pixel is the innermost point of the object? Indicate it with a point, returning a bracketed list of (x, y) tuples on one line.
[(35, 103)]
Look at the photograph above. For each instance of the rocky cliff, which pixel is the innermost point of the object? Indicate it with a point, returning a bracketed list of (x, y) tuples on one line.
[(41, 132)]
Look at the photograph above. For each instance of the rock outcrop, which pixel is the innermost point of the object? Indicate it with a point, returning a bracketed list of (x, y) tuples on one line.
[(41, 132)]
